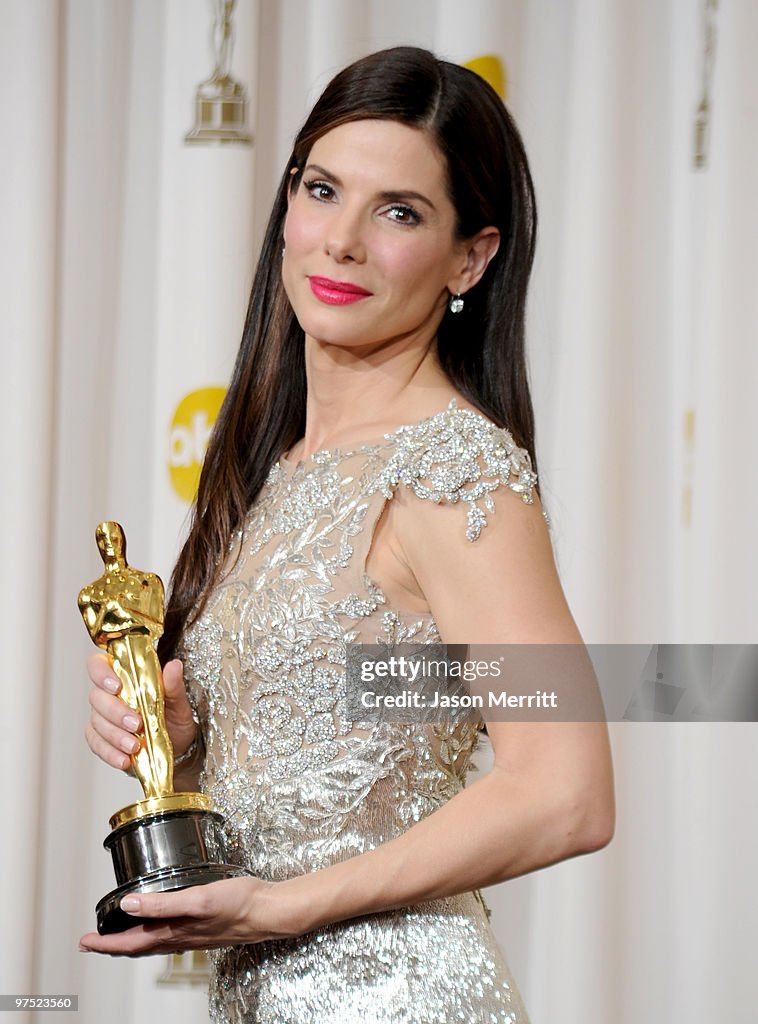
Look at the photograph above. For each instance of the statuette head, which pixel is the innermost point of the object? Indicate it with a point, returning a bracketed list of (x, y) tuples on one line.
[(110, 541)]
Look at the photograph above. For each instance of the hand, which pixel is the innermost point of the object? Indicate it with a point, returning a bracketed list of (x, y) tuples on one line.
[(113, 725), (227, 913)]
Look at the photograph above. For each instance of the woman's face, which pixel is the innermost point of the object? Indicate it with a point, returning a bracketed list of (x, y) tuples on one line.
[(370, 254)]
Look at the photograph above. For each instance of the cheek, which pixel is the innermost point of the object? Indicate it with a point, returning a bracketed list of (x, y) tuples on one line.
[(301, 231), (415, 265)]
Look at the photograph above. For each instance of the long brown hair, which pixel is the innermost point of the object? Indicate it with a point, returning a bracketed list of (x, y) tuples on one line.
[(480, 349)]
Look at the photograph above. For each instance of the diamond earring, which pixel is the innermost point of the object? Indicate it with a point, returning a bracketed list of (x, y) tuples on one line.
[(456, 303)]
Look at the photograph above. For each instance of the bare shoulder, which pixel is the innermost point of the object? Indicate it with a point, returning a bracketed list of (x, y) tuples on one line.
[(468, 523), (501, 588)]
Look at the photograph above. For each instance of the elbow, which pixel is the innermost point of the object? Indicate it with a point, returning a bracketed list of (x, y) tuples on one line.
[(591, 823), (598, 833)]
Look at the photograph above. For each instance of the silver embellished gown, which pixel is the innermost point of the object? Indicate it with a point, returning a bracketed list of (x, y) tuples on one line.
[(301, 786)]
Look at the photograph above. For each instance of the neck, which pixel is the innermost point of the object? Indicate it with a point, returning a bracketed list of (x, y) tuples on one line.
[(357, 392)]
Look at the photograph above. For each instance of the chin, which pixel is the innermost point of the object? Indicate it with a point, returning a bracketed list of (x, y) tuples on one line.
[(341, 339), (335, 327)]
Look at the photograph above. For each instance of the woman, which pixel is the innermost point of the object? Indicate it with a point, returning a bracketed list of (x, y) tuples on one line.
[(381, 362)]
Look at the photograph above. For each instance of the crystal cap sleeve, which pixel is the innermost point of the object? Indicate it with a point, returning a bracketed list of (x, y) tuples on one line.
[(458, 455)]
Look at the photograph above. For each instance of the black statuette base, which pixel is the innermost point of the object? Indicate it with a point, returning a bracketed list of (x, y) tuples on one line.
[(163, 852)]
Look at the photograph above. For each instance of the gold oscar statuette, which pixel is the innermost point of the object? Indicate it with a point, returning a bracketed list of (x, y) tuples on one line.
[(168, 840)]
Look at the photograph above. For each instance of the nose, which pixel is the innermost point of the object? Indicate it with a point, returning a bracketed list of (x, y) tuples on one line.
[(344, 240)]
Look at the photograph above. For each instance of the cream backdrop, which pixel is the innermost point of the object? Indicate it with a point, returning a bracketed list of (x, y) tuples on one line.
[(126, 262)]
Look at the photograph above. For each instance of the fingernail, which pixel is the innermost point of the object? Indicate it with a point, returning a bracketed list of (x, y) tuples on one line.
[(130, 721), (129, 904), (130, 745), (84, 949), (111, 684)]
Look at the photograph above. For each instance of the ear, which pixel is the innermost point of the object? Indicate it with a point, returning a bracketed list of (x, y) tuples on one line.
[(476, 254), (291, 185)]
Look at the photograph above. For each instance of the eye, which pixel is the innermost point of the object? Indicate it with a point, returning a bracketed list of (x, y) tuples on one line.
[(403, 214), (319, 190)]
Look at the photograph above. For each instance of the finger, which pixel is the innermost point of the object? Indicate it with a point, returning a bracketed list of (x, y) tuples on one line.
[(115, 710), (179, 715), (142, 940), (173, 683), (101, 672), (193, 902), (121, 739), (111, 755)]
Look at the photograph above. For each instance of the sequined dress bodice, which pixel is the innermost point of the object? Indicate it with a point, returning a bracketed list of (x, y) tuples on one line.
[(300, 785)]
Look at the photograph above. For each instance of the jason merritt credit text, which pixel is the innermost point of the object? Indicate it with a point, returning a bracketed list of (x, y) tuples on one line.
[(493, 699)]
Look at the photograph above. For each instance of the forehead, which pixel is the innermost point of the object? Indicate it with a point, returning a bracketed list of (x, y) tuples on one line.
[(393, 155)]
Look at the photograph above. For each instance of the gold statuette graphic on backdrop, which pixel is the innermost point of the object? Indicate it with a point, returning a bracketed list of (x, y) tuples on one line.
[(220, 101), (167, 840)]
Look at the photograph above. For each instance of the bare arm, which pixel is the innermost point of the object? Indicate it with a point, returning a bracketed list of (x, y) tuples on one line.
[(549, 794)]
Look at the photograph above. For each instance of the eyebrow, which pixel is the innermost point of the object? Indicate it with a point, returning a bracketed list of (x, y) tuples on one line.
[(390, 196)]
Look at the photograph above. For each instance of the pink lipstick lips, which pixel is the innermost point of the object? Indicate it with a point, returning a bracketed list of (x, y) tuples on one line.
[(337, 293)]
